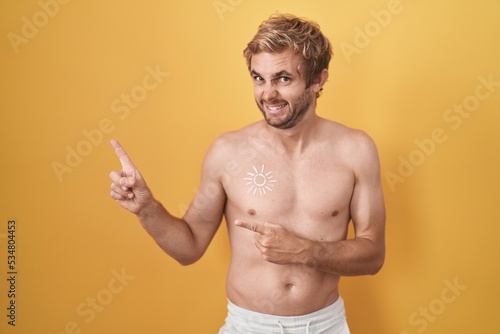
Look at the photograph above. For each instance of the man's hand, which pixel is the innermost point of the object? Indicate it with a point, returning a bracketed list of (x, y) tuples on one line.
[(128, 188), (277, 244)]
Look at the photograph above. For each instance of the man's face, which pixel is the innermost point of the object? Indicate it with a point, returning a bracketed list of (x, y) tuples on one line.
[(279, 90)]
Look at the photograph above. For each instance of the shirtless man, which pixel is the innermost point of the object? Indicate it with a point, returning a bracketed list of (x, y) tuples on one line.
[(288, 186)]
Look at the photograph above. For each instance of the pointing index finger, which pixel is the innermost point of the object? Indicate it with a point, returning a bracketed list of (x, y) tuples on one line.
[(127, 164), (254, 227)]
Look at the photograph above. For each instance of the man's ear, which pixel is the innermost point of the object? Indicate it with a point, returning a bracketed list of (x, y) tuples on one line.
[(319, 82)]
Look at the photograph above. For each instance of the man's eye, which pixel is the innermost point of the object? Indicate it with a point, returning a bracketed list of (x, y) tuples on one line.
[(258, 79), (284, 79)]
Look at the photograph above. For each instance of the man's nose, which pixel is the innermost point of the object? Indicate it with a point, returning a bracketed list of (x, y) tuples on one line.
[(270, 92)]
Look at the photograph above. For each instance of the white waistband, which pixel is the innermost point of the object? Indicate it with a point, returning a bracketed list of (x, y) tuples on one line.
[(327, 317)]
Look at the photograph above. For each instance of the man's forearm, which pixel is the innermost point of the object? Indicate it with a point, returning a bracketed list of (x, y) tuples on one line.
[(360, 256), (172, 234)]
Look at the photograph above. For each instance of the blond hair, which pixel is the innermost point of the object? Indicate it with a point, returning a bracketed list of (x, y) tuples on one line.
[(287, 32)]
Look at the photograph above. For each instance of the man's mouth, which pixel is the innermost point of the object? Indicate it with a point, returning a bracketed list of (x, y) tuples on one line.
[(274, 108)]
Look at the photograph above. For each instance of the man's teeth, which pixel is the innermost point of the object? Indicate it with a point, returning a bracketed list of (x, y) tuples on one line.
[(278, 107)]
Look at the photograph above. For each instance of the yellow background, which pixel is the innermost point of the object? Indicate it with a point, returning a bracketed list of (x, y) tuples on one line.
[(399, 84)]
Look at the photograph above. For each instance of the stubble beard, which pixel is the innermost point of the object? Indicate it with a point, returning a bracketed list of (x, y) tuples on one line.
[(297, 109)]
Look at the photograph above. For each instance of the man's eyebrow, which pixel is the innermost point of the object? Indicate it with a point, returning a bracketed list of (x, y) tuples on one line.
[(282, 74), (275, 75), (255, 73)]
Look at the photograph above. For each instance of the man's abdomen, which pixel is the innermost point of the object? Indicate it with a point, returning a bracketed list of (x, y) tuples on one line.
[(286, 290)]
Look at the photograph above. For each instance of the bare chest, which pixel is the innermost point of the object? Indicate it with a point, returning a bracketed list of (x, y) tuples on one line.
[(310, 197)]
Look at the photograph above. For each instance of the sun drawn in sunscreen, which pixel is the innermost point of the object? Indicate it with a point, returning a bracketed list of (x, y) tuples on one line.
[(259, 181)]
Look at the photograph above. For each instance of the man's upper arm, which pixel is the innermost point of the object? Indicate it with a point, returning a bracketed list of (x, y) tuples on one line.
[(205, 212), (367, 203)]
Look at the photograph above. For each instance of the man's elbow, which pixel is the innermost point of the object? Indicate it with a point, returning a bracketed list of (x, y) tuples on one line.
[(377, 264), (188, 259), (186, 262), (184, 258)]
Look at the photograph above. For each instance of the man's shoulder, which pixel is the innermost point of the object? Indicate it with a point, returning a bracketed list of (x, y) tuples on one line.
[(347, 136), (229, 142), (356, 147)]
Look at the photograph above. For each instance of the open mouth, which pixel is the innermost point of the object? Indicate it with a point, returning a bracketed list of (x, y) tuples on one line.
[(276, 107)]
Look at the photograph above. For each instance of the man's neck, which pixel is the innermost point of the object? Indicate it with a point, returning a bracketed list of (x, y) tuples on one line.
[(294, 141)]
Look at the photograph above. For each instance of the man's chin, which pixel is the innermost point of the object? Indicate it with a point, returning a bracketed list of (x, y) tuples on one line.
[(279, 124)]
